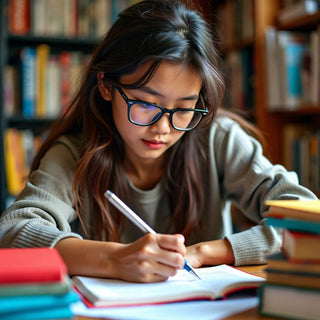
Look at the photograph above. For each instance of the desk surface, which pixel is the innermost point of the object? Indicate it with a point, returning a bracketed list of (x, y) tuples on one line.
[(251, 314)]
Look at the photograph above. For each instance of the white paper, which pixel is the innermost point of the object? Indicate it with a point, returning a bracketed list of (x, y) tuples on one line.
[(191, 310)]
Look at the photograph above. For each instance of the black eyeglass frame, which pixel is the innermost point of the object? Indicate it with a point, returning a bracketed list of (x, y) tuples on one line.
[(130, 102)]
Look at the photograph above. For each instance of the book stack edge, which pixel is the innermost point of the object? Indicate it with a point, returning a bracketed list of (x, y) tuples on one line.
[(34, 284), (292, 287)]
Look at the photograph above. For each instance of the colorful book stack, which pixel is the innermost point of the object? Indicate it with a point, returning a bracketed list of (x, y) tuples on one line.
[(34, 285), (292, 289)]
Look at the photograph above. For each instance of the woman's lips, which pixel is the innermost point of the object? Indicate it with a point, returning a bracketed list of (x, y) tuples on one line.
[(153, 144)]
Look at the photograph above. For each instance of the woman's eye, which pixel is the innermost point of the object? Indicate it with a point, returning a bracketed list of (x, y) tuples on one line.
[(186, 107), (147, 106)]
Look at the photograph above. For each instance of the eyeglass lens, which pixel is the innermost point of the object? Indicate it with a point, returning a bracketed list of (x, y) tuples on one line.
[(146, 114)]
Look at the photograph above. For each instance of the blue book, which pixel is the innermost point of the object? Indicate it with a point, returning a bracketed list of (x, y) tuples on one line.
[(28, 81), (295, 52), (23, 304), (43, 314), (294, 224)]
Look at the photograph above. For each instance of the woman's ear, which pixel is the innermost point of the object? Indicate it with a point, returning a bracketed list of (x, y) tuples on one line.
[(106, 92)]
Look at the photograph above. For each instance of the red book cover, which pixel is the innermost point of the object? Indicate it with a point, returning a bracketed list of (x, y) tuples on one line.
[(65, 65), (301, 246), (19, 16), (25, 265)]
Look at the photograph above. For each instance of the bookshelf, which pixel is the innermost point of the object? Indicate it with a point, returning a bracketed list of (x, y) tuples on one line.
[(274, 123), (255, 106), (53, 31)]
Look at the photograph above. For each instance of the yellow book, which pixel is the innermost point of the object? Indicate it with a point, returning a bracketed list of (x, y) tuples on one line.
[(42, 53), (15, 182), (295, 209)]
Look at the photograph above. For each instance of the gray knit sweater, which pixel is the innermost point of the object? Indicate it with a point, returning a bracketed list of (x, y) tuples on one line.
[(44, 212)]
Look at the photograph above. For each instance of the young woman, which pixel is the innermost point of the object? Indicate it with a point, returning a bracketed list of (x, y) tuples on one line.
[(145, 125)]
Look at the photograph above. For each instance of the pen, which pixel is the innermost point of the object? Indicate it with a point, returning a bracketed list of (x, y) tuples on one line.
[(133, 217)]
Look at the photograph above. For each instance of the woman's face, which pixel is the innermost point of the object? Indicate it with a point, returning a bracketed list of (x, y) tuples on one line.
[(172, 86)]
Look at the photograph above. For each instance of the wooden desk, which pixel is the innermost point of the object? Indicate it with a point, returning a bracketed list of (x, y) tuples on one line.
[(251, 314)]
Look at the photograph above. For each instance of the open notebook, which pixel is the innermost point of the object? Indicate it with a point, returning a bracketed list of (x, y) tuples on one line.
[(216, 283)]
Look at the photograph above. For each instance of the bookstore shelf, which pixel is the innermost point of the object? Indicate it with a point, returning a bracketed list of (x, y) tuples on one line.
[(66, 40), (307, 110), (72, 44), (306, 22), (243, 26), (296, 121)]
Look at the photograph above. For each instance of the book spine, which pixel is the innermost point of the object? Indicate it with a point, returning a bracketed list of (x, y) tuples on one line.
[(38, 17), (315, 67), (65, 65), (294, 53), (83, 20), (274, 302), (53, 97), (38, 302), (298, 225), (42, 56), (13, 161), (19, 16), (274, 100), (28, 81), (11, 90)]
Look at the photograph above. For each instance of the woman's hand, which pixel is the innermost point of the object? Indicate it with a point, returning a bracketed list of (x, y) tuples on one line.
[(210, 253), (152, 258)]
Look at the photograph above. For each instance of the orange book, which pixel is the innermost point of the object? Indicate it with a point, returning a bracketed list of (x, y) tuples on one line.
[(42, 56), (27, 265), (306, 210), (15, 182)]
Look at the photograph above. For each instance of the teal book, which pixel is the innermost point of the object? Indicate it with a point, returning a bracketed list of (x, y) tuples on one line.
[(43, 314), (36, 288), (294, 224), (37, 302)]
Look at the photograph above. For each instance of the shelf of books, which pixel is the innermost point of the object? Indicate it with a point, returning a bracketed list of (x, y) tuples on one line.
[(44, 47), (271, 50), (237, 20), (272, 68), (292, 49)]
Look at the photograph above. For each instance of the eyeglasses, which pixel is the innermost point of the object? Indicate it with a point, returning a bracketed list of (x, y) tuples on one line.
[(144, 113)]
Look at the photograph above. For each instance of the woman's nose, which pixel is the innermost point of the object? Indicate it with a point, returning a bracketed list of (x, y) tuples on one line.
[(163, 125)]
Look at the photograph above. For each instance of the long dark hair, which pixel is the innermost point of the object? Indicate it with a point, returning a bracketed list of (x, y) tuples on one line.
[(149, 31)]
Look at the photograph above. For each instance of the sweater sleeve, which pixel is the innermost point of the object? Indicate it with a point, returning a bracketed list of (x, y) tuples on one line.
[(248, 179), (43, 212)]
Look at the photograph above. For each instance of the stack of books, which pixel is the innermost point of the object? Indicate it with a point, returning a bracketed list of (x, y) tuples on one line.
[(34, 285), (292, 289)]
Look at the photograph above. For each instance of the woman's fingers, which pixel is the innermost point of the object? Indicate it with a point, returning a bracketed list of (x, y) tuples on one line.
[(152, 258)]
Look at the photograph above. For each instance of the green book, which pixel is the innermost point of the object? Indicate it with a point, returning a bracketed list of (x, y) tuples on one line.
[(36, 288)]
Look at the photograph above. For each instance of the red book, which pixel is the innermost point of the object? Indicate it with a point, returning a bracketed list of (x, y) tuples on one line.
[(301, 246), (19, 16), (65, 67), (25, 265)]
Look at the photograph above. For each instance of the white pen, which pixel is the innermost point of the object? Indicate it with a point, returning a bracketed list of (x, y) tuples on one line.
[(133, 217)]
